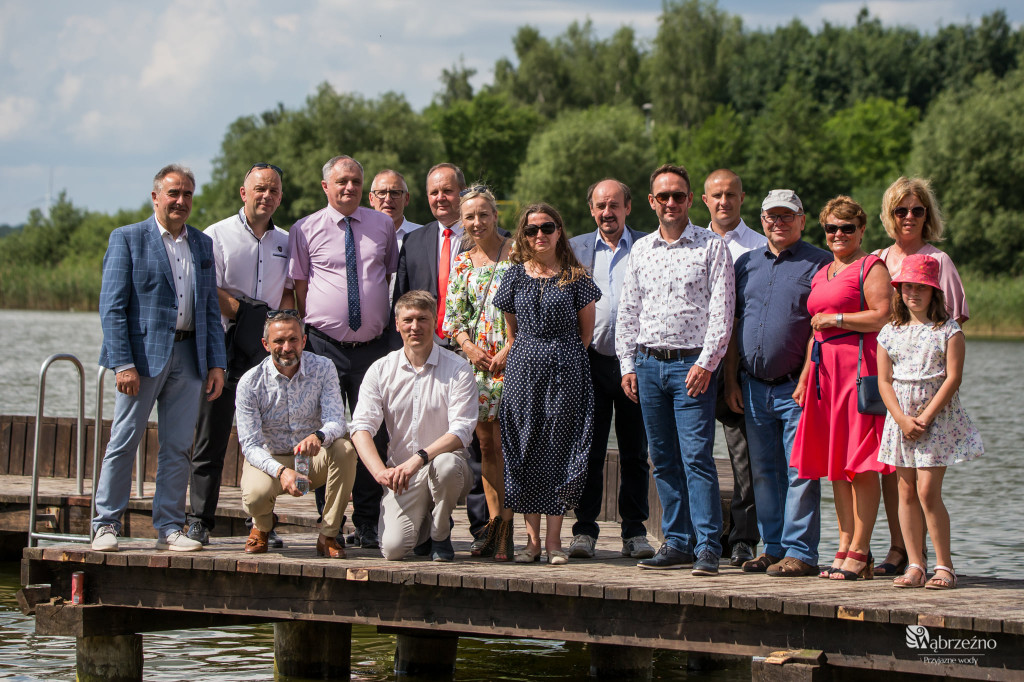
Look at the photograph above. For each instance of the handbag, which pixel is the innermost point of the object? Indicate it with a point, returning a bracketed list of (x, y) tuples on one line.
[(869, 400)]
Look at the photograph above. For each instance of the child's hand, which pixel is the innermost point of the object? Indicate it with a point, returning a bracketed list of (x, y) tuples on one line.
[(912, 427)]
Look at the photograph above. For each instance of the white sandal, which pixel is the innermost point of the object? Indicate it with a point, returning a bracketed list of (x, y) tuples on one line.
[(904, 581), (937, 583)]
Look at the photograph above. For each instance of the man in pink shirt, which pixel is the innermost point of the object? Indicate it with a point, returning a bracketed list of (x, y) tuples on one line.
[(342, 258)]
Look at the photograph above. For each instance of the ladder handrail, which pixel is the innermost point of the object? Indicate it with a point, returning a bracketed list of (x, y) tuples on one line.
[(80, 474)]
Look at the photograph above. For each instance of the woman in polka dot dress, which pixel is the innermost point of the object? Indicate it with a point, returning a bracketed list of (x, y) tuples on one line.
[(547, 407)]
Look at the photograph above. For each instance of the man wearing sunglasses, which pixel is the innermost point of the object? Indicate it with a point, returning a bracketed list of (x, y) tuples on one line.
[(605, 252), (252, 276), (723, 195), (342, 258), (390, 195), (768, 347), (163, 338), (672, 331)]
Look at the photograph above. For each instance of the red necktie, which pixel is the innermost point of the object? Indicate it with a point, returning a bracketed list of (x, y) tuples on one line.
[(443, 269)]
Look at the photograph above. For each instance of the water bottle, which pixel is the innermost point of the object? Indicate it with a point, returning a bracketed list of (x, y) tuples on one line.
[(302, 468)]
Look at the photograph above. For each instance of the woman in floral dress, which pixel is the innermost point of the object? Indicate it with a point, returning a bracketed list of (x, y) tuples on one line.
[(478, 328)]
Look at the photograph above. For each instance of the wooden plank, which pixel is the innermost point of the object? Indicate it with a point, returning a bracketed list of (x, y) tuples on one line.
[(19, 436), (149, 458), (64, 448), (5, 442), (44, 451), (231, 474)]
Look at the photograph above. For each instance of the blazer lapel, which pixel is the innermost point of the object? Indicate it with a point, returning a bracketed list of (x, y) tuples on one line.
[(159, 253), (196, 252)]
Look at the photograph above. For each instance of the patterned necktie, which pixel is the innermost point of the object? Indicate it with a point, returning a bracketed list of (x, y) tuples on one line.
[(444, 267), (355, 317)]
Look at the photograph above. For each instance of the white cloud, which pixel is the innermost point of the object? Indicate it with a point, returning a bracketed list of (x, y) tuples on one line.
[(16, 113)]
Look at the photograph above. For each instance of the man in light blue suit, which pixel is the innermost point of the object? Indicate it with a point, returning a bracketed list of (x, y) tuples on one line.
[(163, 337)]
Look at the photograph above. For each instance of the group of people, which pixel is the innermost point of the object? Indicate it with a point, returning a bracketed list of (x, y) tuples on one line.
[(491, 366)]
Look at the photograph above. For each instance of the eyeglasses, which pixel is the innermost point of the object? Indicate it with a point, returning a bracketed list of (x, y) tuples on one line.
[(546, 228), (663, 197), (845, 228), (385, 193), (474, 188), (285, 312), (917, 212), (786, 218), (271, 166)]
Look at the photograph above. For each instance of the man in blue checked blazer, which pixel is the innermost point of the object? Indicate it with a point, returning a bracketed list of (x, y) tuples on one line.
[(163, 338)]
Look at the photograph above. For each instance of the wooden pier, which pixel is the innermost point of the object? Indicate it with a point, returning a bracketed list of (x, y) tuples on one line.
[(796, 628)]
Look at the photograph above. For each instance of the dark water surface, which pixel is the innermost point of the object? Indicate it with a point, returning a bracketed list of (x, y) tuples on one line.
[(984, 500)]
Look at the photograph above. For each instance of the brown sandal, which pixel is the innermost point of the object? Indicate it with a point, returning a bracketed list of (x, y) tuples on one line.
[(937, 583)]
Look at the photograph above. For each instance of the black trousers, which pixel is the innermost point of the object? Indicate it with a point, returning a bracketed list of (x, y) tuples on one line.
[(634, 469), (213, 430), (742, 513)]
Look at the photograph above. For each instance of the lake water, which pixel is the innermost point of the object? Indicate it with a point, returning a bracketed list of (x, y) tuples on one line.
[(983, 498)]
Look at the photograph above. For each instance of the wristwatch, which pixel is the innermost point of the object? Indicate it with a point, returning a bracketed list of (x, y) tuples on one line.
[(320, 436), (423, 455)]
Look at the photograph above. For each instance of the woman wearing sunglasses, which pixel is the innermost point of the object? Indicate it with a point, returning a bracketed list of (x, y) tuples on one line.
[(547, 406), (911, 216), (478, 329), (833, 439)]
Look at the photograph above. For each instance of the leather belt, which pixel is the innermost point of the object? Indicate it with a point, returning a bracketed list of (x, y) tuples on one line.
[(793, 377), (184, 334), (341, 344), (668, 353)]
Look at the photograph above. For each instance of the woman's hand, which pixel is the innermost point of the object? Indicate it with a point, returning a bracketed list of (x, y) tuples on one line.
[(478, 357), (497, 367), (823, 321)]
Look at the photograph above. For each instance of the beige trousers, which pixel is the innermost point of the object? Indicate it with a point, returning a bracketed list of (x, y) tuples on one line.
[(335, 466), (425, 508)]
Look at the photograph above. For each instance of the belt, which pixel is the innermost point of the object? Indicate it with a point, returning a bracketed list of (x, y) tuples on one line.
[(310, 329), (668, 353), (784, 379), (183, 334), (816, 357)]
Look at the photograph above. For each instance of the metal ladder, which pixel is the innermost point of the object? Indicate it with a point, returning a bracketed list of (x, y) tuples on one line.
[(34, 535)]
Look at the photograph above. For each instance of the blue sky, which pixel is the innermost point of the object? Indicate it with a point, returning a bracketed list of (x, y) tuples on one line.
[(96, 96)]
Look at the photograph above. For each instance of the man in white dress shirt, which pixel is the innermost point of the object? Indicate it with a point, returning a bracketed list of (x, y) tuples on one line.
[(389, 194), (251, 255), (723, 195), (427, 398), (287, 405), (675, 317)]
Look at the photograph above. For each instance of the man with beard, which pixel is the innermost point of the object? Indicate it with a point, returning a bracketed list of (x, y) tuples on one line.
[(289, 405)]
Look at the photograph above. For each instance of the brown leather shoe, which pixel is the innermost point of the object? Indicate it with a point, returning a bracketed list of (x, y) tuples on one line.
[(760, 564), (257, 542), (329, 547), (791, 567)]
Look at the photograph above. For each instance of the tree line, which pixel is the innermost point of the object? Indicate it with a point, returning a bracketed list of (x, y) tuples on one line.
[(840, 109)]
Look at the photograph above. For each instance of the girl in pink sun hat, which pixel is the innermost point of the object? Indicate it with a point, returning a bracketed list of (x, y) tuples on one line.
[(920, 366)]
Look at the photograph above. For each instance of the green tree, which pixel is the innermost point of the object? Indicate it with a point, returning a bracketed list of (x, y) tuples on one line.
[(971, 145), (579, 148), (456, 84)]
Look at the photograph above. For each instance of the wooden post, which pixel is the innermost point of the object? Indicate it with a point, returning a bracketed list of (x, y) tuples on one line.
[(623, 662), (418, 652), (109, 659), (315, 651), (797, 665)]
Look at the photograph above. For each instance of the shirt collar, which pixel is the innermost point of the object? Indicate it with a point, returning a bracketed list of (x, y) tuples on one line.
[(685, 235), (165, 232), (432, 359), (337, 216), (738, 233), (625, 240), (456, 228), (276, 373), (245, 222), (792, 250)]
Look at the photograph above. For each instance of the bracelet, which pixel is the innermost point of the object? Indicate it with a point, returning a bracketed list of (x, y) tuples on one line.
[(839, 320)]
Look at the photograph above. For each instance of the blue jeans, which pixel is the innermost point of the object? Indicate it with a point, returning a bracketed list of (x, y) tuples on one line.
[(788, 508), (176, 392), (680, 434)]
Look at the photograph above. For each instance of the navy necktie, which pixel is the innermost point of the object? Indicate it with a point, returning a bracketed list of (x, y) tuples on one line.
[(355, 317)]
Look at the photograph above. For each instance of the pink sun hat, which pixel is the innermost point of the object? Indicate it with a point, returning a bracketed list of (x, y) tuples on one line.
[(919, 269)]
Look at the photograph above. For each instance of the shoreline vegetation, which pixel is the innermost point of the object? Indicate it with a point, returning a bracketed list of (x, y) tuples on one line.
[(996, 303)]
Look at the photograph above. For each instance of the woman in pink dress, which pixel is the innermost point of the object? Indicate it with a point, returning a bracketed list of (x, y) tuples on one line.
[(833, 439), (911, 216)]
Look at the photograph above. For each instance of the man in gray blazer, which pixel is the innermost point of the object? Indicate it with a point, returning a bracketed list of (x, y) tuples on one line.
[(605, 252)]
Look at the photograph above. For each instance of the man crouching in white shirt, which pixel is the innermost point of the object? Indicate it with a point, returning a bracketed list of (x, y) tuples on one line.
[(290, 404), (427, 397)]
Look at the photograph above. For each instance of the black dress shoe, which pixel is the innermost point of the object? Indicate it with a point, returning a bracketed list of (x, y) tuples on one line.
[(198, 532), (274, 540), (741, 551), (667, 558), (368, 537)]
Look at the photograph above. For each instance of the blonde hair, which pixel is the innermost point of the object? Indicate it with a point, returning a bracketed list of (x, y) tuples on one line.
[(522, 250), (921, 188), (417, 299), (478, 192)]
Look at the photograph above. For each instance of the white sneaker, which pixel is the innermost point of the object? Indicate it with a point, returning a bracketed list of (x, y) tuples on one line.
[(179, 542), (105, 539)]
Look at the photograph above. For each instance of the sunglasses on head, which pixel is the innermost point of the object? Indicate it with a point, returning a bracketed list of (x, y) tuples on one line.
[(260, 166), (285, 312), (663, 197), (546, 228), (475, 188), (902, 211), (845, 228)]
